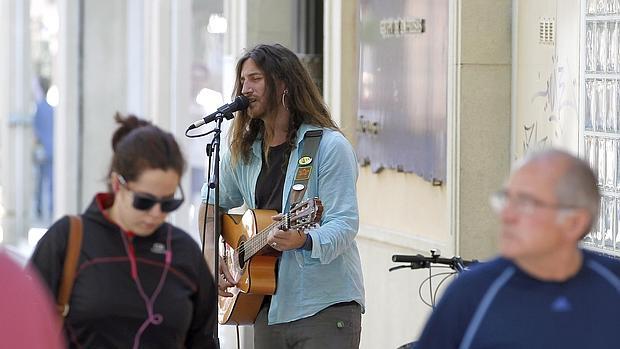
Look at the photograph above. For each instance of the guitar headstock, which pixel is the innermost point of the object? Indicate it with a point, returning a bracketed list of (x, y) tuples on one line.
[(305, 214)]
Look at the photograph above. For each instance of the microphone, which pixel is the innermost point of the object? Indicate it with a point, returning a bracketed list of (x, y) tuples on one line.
[(240, 102)]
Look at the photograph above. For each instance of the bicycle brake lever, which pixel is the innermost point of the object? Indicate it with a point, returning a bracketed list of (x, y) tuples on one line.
[(412, 265), (398, 267)]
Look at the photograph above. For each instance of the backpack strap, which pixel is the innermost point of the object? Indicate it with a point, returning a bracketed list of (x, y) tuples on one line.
[(72, 256)]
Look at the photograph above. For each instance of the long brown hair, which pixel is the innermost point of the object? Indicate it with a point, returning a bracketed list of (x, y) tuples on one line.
[(303, 100)]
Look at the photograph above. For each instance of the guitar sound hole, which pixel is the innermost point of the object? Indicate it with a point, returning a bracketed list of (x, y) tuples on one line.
[(241, 256)]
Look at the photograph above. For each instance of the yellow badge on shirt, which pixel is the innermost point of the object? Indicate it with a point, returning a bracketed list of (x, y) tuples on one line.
[(304, 161)]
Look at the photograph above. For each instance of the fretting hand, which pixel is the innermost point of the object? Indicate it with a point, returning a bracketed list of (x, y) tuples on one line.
[(284, 240)]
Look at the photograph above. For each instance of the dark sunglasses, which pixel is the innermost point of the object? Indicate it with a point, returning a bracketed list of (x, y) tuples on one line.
[(144, 201)]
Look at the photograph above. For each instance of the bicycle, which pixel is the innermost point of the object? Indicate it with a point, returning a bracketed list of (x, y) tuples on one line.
[(456, 264)]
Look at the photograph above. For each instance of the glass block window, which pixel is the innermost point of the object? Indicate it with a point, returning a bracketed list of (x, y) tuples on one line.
[(601, 104)]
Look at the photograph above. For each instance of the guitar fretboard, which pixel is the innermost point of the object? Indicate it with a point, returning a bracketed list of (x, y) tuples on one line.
[(258, 241)]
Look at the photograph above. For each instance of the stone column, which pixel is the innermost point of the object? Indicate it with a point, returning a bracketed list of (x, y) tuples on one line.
[(68, 117), (15, 119), (340, 63), (484, 66), (104, 88)]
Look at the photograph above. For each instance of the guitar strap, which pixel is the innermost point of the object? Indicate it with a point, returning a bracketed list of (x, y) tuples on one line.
[(304, 166)]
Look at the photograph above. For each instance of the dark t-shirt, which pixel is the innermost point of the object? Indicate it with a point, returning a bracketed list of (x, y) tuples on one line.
[(270, 183)]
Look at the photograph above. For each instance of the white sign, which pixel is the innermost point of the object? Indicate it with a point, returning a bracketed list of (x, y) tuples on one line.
[(400, 26)]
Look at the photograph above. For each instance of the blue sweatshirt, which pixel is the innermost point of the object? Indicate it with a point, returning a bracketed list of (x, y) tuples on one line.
[(496, 305)]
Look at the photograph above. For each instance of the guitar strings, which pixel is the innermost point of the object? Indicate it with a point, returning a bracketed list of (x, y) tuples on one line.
[(257, 242), (254, 244)]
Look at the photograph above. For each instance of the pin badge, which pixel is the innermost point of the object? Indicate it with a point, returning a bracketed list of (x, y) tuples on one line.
[(305, 160), (303, 173)]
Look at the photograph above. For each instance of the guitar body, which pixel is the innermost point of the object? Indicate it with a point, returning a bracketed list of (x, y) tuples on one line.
[(257, 276)]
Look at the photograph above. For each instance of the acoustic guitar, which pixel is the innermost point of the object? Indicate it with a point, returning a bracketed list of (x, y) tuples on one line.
[(252, 261)]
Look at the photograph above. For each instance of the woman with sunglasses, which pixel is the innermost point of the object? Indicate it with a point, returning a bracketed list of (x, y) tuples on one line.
[(140, 282)]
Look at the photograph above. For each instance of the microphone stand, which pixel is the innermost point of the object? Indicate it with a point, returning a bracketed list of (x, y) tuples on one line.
[(217, 228)]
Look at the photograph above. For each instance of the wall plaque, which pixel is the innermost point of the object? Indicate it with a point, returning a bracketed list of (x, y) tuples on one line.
[(402, 108)]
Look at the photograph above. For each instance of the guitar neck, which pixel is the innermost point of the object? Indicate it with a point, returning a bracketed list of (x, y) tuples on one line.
[(256, 243)]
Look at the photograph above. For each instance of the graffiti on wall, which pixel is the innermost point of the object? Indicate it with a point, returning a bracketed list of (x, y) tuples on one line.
[(558, 99)]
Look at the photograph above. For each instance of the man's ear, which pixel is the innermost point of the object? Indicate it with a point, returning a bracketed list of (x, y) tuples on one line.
[(280, 87), (577, 223)]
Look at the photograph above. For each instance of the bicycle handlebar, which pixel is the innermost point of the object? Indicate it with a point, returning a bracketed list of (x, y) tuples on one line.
[(419, 261)]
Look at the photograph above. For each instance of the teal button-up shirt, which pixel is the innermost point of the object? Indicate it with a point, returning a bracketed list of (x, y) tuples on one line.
[(308, 281)]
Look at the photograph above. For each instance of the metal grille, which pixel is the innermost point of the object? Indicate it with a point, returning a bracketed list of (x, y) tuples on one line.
[(546, 31)]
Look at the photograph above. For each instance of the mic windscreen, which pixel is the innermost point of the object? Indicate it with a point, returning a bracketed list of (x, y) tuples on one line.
[(241, 102)]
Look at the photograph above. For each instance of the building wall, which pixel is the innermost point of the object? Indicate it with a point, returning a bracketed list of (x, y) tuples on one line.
[(98, 79), (401, 213), (104, 93), (271, 21), (546, 77)]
